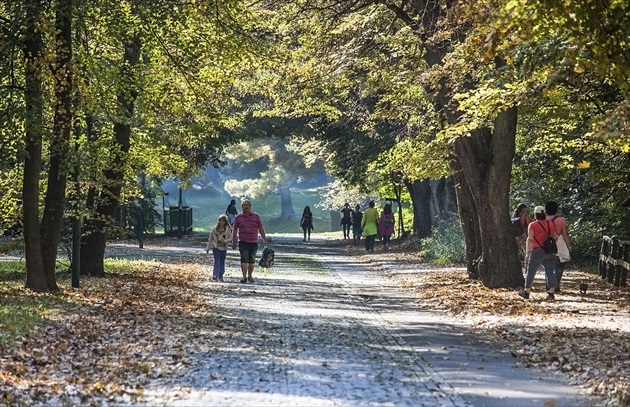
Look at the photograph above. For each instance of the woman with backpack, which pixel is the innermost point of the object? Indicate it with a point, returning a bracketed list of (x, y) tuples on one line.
[(307, 223), (386, 225), (536, 253)]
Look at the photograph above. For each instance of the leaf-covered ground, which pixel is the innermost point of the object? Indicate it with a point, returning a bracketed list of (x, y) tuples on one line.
[(584, 336), (113, 336), (106, 341)]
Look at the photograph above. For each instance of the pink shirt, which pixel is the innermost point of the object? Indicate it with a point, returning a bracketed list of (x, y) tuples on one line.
[(247, 227), (559, 222), (386, 230)]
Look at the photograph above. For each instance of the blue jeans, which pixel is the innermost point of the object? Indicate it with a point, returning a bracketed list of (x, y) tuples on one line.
[(537, 257), (219, 262), (558, 270)]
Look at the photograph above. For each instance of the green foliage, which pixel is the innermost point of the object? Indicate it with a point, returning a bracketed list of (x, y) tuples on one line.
[(207, 206), (557, 159), (586, 242), (12, 246), (446, 245)]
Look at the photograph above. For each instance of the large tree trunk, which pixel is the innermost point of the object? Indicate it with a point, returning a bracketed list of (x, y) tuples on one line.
[(420, 192), (52, 219), (34, 127), (433, 201), (486, 162), (468, 221), (97, 228), (443, 201), (485, 158), (286, 203)]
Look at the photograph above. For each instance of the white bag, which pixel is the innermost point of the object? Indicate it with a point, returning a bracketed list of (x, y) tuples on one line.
[(563, 250)]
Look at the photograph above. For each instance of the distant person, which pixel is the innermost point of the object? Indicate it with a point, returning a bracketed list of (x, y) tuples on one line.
[(537, 233), (369, 225), (346, 220), (218, 241), (563, 242), (357, 217), (246, 228), (231, 211), (307, 223), (523, 221), (386, 225)]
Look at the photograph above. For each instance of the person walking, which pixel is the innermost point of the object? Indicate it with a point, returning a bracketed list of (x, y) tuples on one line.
[(369, 225), (563, 242), (247, 226), (537, 233), (307, 223), (218, 241), (386, 225), (346, 220), (357, 217), (231, 211), (521, 216)]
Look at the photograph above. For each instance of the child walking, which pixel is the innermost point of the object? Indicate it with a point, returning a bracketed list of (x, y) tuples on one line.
[(218, 241)]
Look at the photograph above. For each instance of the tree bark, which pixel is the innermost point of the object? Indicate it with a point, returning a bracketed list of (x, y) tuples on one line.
[(286, 203), (486, 163), (98, 228), (34, 128), (483, 159), (468, 221), (420, 192), (52, 219)]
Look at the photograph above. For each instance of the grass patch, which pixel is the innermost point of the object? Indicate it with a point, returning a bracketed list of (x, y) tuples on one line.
[(22, 309), (207, 206)]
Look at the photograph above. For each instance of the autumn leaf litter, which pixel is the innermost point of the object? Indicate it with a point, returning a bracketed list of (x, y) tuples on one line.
[(125, 330)]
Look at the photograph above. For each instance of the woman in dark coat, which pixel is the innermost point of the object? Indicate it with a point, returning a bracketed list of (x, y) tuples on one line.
[(307, 223)]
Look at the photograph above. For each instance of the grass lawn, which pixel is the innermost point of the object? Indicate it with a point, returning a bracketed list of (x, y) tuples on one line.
[(207, 206)]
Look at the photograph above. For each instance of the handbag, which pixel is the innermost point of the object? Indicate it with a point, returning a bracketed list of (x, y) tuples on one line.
[(549, 246), (563, 250)]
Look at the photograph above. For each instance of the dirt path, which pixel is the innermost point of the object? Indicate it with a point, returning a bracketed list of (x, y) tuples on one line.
[(452, 353), (328, 325)]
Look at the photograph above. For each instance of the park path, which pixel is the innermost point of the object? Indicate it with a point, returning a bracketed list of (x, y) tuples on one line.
[(323, 328)]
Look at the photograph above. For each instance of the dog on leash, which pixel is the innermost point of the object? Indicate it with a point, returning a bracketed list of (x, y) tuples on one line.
[(583, 287)]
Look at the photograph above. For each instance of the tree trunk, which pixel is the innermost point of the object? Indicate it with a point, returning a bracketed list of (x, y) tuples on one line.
[(420, 193), (443, 203), (97, 228), (468, 221), (34, 127), (485, 158), (286, 203), (486, 163), (52, 219)]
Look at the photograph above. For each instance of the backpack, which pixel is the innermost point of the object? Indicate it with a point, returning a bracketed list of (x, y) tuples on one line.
[(267, 258), (549, 246), (517, 228), (387, 220)]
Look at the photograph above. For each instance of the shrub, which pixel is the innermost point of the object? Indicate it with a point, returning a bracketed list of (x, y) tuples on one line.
[(446, 243)]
